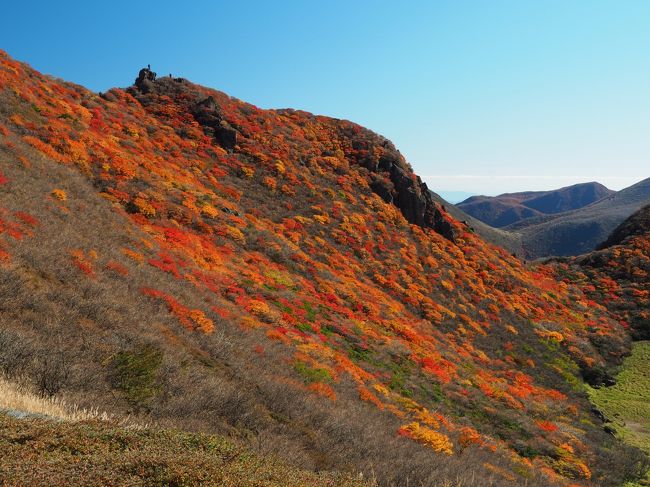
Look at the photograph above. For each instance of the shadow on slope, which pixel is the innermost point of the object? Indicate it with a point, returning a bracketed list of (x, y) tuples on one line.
[(580, 231)]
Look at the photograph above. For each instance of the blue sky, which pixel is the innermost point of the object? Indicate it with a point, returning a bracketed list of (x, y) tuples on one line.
[(480, 96)]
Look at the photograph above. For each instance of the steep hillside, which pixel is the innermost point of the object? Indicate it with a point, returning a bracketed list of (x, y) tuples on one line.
[(580, 231), (506, 209), (636, 225), (618, 275), (286, 279)]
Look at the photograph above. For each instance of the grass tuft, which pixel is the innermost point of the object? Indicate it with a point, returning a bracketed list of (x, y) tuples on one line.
[(19, 401)]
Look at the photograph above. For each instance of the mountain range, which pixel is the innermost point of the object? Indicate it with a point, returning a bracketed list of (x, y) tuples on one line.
[(506, 209), (285, 280), (567, 221)]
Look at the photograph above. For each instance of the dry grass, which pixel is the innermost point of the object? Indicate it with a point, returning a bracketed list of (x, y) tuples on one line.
[(73, 328), (18, 399)]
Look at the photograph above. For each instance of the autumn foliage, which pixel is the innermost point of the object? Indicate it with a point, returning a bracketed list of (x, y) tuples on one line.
[(283, 234)]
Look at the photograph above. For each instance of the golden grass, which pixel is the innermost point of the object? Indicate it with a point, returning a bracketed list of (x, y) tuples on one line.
[(19, 399)]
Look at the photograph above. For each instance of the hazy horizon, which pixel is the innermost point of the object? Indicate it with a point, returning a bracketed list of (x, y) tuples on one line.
[(496, 185)]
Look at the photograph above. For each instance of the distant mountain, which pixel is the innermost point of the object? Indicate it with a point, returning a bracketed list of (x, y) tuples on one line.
[(582, 230), (506, 209), (508, 240)]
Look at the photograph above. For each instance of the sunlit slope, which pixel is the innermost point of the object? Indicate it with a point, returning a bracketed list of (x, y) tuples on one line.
[(296, 258)]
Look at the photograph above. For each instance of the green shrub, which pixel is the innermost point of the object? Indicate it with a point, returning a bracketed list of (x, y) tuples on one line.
[(136, 372), (312, 375)]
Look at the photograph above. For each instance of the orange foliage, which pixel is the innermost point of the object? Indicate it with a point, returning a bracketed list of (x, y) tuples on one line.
[(366, 395), (436, 440), (189, 318), (324, 265)]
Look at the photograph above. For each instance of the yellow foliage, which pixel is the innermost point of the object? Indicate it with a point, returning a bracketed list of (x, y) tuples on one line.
[(552, 335), (447, 285), (427, 418), (236, 234), (204, 323), (303, 219), (322, 219), (209, 210), (132, 254), (584, 470), (436, 440), (381, 389), (144, 207), (260, 308), (59, 194)]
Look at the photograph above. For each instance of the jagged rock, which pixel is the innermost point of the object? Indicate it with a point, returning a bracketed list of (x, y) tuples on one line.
[(208, 114), (228, 211), (145, 80), (406, 198), (225, 135), (383, 189), (408, 192), (597, 377), (443, 227)]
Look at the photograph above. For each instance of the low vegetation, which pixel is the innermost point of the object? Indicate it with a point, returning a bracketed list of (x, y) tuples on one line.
[(172, 253), (93, 453), (627, 404)]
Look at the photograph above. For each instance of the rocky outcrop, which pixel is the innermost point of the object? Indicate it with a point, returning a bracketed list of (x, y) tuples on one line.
[(204, 110), (207, 113), (394, 181), (145, 80), (390, 175), (597, 377)]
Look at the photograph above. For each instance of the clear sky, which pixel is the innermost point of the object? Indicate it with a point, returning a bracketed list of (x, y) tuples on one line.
[(483, 96)]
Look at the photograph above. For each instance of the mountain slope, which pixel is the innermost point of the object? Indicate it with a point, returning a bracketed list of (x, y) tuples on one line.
[(580, 231), (618, 275), (285, 278), (637, 224), (501, 238), (506, 209)]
